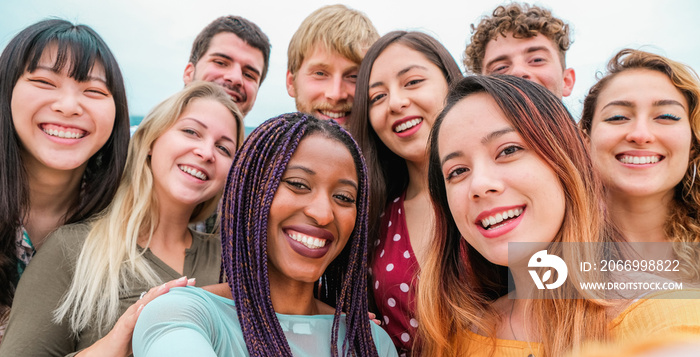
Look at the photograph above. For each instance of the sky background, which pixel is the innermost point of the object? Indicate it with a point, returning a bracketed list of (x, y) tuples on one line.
[(151, 39)]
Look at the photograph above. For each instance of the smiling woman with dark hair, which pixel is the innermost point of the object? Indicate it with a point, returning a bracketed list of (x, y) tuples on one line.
[(65, 129), (294, 231)]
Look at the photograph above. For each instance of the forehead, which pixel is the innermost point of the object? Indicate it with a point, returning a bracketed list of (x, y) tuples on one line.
[(509, 46), (48, 59), (230, 44), (641, 85), (396, 58), (320, 55), (324, 155), (470, 120)]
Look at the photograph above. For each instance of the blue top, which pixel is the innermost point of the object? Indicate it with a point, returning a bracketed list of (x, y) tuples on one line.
[(194, 322)]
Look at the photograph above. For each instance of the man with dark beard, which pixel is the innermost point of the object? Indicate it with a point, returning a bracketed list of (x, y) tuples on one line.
[(233, 53)]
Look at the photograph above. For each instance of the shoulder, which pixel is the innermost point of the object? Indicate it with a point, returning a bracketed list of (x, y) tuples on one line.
[(187, 304), (206, 241), (669, 312)]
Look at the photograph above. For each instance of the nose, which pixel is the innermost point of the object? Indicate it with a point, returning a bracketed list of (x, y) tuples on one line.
[(640, 132), (485, 181), (68, 103), (337, 90), (520, 70), (320, 209), (234, 75), (205, 150), (398, 102)]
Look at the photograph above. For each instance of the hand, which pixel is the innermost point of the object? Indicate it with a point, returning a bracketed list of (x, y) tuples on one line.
[(373, 317), (117, 342)]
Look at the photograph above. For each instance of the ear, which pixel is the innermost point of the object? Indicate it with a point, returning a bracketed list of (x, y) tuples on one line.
[(290, 85), (188, 76), (569, 80)]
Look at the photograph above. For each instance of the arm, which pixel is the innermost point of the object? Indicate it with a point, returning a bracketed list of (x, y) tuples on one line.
[(31, 331), (118, 341)]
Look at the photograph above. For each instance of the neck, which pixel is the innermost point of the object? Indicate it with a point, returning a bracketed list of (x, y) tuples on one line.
[(417, 179), (51, 194), (640, 219), (293, 297), (171, 232)]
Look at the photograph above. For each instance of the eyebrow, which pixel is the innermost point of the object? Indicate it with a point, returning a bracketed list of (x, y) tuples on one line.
[(229, 58), (312, 172), (89, 77), (206, 127), (657, 103), (527, 50), (400, 73), (485, 140)]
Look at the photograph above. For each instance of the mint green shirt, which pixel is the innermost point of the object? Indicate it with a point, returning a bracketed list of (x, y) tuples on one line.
[(194, 322)]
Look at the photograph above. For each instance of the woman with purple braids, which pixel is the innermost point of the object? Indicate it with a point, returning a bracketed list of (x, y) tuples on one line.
[(294, 253)]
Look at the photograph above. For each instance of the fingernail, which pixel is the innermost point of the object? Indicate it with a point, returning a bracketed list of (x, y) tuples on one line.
[(140, 308), (191, 281), (182, 279)]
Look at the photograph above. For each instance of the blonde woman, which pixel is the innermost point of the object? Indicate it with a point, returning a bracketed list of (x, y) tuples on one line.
[(88, 275)]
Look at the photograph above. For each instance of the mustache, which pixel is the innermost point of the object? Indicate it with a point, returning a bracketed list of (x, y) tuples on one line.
[(345, 107), (234, 88)]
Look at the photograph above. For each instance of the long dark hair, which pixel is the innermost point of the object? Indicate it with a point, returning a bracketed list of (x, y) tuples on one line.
[(80, 47), (251, 186), (387, 171)]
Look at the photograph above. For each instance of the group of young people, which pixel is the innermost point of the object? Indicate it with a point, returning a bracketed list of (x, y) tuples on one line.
[(396, 190)]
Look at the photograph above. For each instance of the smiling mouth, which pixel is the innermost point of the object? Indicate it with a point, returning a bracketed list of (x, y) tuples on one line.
[(63, 132), (500, 219), (308, 241), (193, 172), (407, 125), (639, 160), (334, 115)]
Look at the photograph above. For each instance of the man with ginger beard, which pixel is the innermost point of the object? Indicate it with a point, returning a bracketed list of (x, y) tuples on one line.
[(233, 53), (323, 58)]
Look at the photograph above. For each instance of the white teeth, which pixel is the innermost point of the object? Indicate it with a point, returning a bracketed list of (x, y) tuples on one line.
[(639, 160), (63, 134), (309, 242), (333, 114), (500, 217), (194, 172), (407, 125)]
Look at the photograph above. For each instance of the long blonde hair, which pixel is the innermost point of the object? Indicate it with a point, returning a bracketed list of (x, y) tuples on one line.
[(111, 255), (458, 286)]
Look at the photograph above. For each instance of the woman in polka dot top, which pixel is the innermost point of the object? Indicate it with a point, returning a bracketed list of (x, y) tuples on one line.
[(401, 87)]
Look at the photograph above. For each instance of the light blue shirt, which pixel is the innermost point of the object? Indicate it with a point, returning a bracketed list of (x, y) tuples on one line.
[(194, 322)]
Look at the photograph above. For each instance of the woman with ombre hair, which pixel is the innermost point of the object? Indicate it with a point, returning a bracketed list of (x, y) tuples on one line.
[(507, 165), (643, 123)]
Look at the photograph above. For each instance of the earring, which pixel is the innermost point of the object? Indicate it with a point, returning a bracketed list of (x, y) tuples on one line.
[(695, 172)]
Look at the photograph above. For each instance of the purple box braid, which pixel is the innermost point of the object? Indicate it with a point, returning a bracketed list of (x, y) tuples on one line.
[(250, 188)]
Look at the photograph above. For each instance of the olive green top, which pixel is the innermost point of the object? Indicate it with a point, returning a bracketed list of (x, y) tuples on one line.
[(31, 331)]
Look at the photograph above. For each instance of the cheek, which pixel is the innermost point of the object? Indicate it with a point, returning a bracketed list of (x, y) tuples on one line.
[(457, 201)]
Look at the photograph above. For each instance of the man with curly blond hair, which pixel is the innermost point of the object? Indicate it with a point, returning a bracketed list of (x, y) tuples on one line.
[(323, 58), (525, 41)]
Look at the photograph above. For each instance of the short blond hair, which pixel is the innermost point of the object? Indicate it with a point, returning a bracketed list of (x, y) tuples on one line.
[(336, 27)]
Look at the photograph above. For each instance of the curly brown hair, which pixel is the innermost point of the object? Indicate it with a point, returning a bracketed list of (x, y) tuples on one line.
[(523, 21)]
